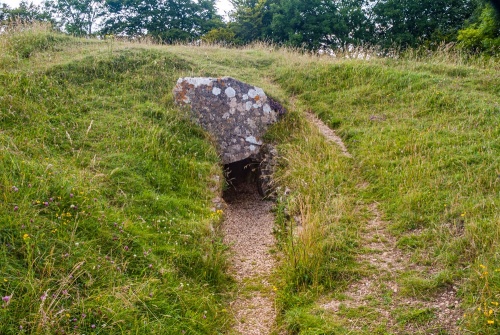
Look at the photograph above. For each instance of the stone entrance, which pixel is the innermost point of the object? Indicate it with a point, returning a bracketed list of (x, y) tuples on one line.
[(237, 115)]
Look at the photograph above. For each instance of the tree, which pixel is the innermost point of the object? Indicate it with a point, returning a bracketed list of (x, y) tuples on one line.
[(411, 22), (77, 17), (4, 12), (251, 20), (483, 33), (26, 12), (164, 20), (318, 23), (220, 35)]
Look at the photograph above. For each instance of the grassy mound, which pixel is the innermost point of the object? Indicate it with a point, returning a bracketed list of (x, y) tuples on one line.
[(105, 220), (105, 214), (426, 138)]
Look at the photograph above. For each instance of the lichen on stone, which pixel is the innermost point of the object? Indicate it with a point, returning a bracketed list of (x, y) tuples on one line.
[(236, 114)]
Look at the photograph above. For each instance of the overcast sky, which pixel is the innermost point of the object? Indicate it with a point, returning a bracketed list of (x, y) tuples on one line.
[(222, 5)]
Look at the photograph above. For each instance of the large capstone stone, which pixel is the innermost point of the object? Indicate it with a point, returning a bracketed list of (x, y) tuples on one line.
[(235, 113)]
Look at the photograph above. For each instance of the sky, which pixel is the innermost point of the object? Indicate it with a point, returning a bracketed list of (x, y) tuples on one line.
[(222, 5)]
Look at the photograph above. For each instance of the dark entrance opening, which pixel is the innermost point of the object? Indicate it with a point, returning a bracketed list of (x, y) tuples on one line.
[(242, 178)]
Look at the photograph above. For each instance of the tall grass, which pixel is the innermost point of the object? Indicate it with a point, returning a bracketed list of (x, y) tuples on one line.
[(424, 134), (105, 221), (105, 187)]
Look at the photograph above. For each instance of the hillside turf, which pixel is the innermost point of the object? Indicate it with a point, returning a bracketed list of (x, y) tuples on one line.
[(106, 188)]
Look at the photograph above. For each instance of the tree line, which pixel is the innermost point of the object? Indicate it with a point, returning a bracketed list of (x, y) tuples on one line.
[(309, 24)]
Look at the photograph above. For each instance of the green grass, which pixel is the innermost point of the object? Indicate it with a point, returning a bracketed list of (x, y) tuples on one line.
[(105, 215), (426, 137), (105, 219)]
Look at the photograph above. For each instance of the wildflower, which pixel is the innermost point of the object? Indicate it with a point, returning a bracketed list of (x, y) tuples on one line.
[(26, 237), (482, 266), (16, 208), (150, 266), (92, 326), (125, 248), (67, 315), (494, 303), (463, 214), (6, 299), (44, 296), (84, 315), (490, 322), (15, 189), (51, 199), (71, 195)]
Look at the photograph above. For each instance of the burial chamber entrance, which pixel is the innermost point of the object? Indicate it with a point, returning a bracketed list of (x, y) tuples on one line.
[(237, 116), (242, 177)]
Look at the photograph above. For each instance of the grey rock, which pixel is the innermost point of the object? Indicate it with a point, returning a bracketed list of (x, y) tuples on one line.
[(236, 114), (268, 161)]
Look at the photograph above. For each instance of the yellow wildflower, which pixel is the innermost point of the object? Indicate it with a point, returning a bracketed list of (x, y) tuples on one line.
[(26, 237), (490, 322)]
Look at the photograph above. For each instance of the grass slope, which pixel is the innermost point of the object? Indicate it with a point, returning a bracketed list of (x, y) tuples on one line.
[(426, 137), (105, 215)]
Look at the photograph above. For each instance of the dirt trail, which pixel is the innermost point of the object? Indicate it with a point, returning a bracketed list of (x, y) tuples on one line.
[(248, 230), (328, 133), (380, 290)]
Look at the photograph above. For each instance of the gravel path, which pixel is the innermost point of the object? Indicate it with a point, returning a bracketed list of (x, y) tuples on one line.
[(387, 261), (248, 229)]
